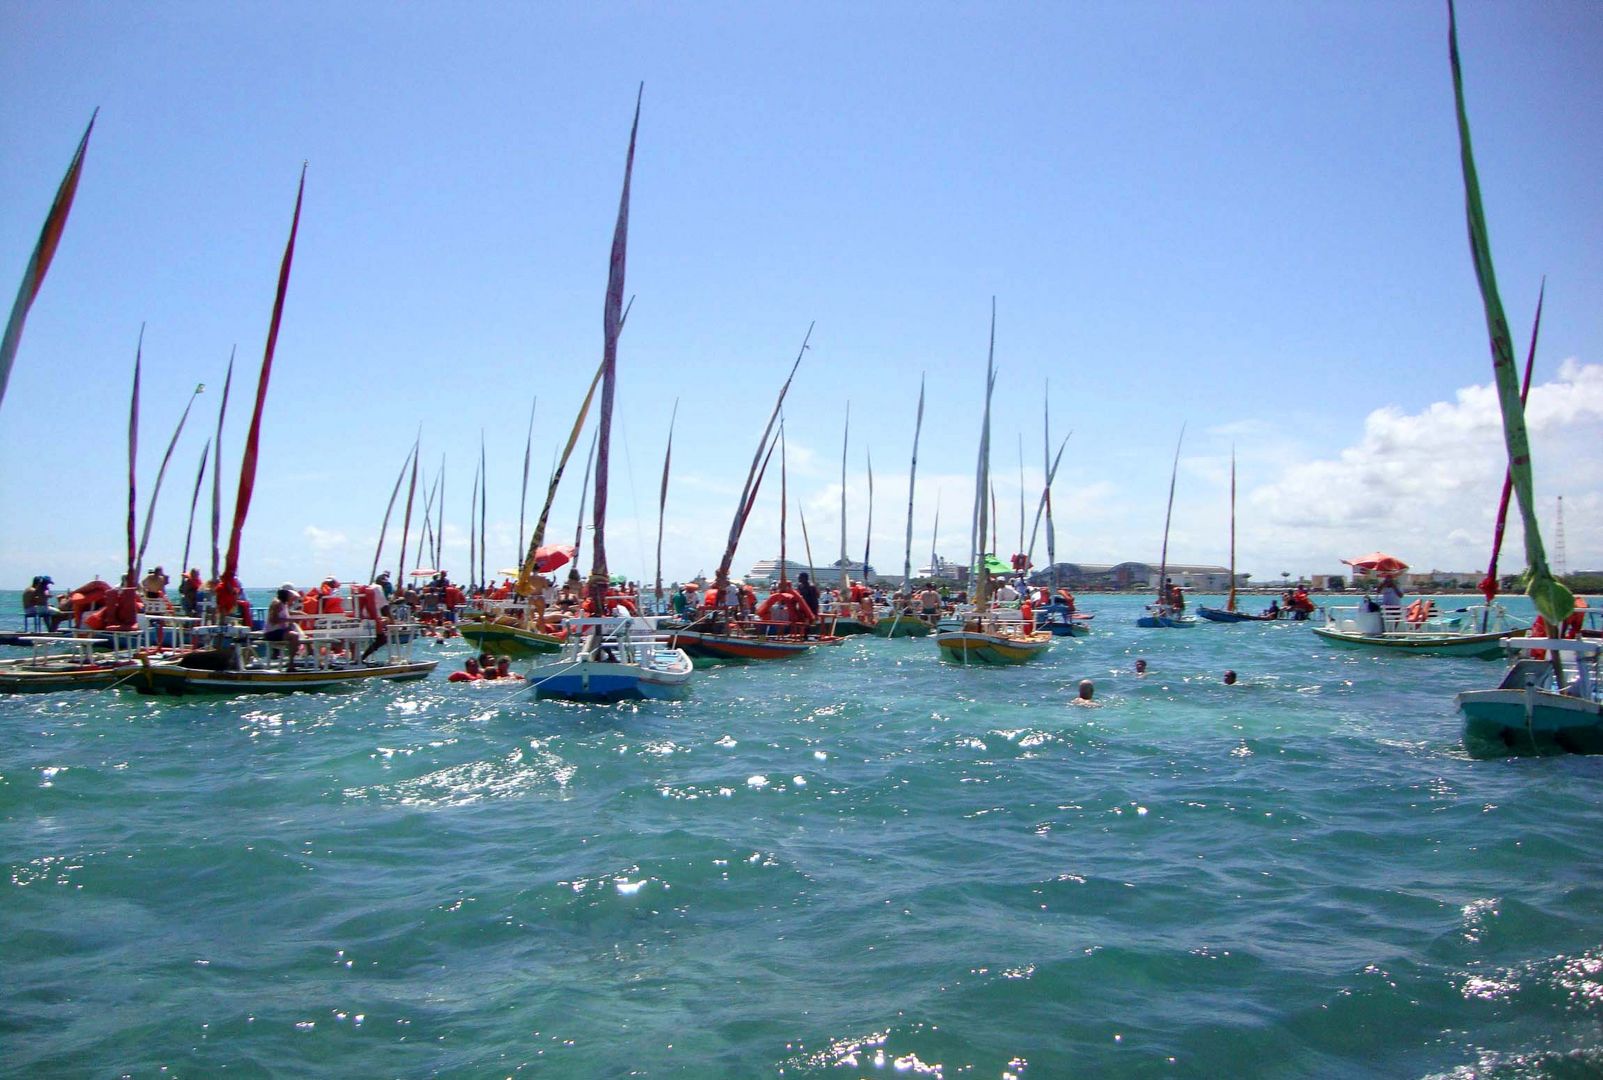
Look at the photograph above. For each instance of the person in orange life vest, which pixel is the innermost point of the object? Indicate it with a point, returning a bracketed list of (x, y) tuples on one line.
[(330, 601), (469, 672)]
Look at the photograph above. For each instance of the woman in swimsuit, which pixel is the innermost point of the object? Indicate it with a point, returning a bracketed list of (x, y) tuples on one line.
[(280, 627)]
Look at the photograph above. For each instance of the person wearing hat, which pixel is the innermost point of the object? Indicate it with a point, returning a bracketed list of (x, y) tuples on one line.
[(383, 582)]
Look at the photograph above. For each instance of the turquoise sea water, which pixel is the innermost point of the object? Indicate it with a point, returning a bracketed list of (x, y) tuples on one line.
[(865, 862)]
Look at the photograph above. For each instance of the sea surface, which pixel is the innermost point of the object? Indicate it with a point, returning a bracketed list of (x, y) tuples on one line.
[(862, 863)]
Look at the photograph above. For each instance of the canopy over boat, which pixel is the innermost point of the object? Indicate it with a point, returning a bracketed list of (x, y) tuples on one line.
[(1377, 562)]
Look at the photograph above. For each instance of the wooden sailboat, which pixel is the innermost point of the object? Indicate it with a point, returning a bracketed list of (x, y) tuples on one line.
[(239, 659), (607, 658), (1551, 703), (1229, 614), (904, 620), (1162, 613), (722, 631), (985, 637)]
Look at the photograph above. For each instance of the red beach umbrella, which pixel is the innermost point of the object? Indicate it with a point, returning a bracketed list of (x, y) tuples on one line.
[(1377, 562), (548, 558)]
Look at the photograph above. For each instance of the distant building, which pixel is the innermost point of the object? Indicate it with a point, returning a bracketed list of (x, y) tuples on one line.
[(767, 571), (1136, 575)]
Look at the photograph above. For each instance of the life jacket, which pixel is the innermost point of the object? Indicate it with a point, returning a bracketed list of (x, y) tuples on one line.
[(1538, 630), (1420, 610), (1576, 619), (310, 602)]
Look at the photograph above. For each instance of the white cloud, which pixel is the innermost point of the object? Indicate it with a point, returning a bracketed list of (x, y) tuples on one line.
[(1426, 485)]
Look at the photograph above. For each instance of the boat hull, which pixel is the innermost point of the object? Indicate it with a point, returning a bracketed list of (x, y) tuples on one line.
[(901, 626), (44, 679), (1480, 646), (601, 682), (1166, 622), (1498, 723), (502, 638), (704, 646), (172, 678), (974, 647), (1220, 615)]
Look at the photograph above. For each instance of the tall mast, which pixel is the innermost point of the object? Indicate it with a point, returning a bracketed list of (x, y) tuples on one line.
[(912, 478), (217, 472), (983, 591), (1230, 601), (523, 499), (611, 325), (1163, 559), (662, 497), (868, 534), (846, 434)]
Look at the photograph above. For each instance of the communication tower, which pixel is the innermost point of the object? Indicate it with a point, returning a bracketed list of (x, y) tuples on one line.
[(1560, 569)]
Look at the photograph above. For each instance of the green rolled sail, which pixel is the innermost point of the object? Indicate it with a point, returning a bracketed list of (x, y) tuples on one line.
[(1552, 599)]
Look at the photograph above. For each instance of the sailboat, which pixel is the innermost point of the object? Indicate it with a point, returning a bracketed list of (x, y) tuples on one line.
[(984, 637), (1550, 700), (722, 631), (239, 660), (1163, 613), (1229, 614), (904, 620), (607, 657)]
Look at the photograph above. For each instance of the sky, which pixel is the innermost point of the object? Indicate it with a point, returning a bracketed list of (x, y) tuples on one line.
[(1244, 219)]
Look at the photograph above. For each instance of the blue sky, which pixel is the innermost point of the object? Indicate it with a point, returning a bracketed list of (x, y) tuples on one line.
[(1242, 217)]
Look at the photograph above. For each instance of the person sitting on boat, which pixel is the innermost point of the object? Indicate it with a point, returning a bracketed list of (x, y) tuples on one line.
[(1177, 599), (1390, 594), (469, 672), (865, 611), (1273, 610), (281, 626), (1066, 598), (330, 602)]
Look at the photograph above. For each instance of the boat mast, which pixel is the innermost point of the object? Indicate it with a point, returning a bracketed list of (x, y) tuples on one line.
[(611, 325), (1489, 583), (484, 503), (912, 478), (784, 501), (868, 534), (43, 252), (584, 492), (161, 473), (217, 471), (1163, 559), (131, 578), (384, 527), (1553, 600), (662, 498), (1230, 601), (846, 434), (754, 474), (228, 591), (406, 521), (983, 592), (194, 500), (523, 499)]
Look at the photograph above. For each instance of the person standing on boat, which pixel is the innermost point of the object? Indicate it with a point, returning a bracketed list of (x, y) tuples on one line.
[(375, 605), (154, 585), (929, 603), (189, 591), (807, 590), (1390, 594)]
